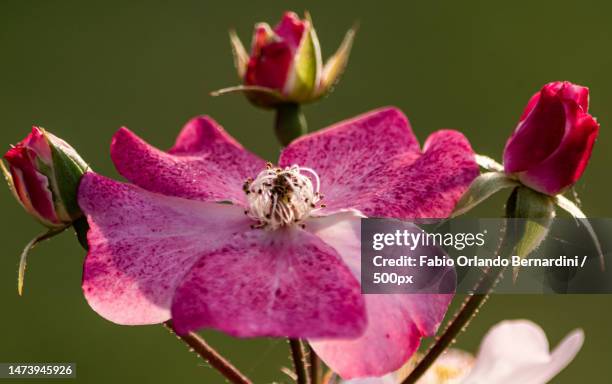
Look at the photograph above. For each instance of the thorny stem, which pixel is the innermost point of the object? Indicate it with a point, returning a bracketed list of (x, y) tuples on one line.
[(473, 302), (206, 352), (299, 362), (458, 323), (315, 366)]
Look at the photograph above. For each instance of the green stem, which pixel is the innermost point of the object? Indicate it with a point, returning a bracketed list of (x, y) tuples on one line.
[(290, 123), (299, 362), (214, 358), (473, 302), (459, 322), (315, 366)]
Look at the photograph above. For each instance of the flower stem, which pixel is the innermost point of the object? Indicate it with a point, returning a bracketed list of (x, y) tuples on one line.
[(482, 290), (290, 123), (458, 323), (299, 362), (315, 366), (218, 362)]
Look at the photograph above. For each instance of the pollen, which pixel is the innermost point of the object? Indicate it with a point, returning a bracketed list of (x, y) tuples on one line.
[(280, 197)]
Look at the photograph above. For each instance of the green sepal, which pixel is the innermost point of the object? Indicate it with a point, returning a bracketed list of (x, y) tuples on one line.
[(489, 163), (9, 180), (239, 53), (483, 187), (67, 175), (306, 68), (336, 64), (571, 208), (81, 227), (263, 97), (534, 212), (26, 251)]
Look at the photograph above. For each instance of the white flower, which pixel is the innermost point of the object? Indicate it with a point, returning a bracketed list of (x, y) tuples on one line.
[(513, 351)]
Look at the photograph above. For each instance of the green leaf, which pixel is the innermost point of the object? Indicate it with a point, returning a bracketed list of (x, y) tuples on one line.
[(581, 218), (483, 187), (241, 57), (535, 212), (336, 64)]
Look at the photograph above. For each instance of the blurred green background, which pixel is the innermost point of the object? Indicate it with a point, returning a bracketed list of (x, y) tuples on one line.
[(83, 69)]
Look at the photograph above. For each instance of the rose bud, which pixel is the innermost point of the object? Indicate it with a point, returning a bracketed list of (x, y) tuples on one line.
[(285, 63), (43, 173), (552, 143)]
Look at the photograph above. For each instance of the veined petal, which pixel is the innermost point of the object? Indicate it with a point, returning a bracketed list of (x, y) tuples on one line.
[(396, 323), (285, 283), (206, 163), (141, 245), (345, 154), (373, 163)]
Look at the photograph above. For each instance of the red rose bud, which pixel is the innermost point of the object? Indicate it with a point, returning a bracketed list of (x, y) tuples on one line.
[(552, 143), (285, 63), (43, 173)]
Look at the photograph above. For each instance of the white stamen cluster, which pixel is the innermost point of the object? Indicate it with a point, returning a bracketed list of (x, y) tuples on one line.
[(280, 197)]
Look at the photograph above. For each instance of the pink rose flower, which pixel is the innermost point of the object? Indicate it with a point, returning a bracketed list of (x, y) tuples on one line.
[(211, 236), (552, 143)]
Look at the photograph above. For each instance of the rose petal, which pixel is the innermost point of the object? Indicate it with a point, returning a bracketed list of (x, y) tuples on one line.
[(291, 29), (517, 352), (270, 68), (271, 283), (568, 162), (396, 323), (538, 134), (206, 163), (345, 154), (373, 163), (141, 245)]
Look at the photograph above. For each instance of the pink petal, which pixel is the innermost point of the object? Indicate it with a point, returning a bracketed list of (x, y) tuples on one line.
[(373, 163), (206, 163), (291, 29), (31, 185), (271, 283), (141, 245), (567, 163), (345, 154), (389, 341), (271, 67), (396, 323), (538, 133)]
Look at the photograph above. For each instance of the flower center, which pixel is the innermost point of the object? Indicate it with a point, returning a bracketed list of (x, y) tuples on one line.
[(280, 197)]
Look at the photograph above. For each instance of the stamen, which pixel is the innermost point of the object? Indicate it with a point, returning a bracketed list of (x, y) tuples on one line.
[(280, 197)]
